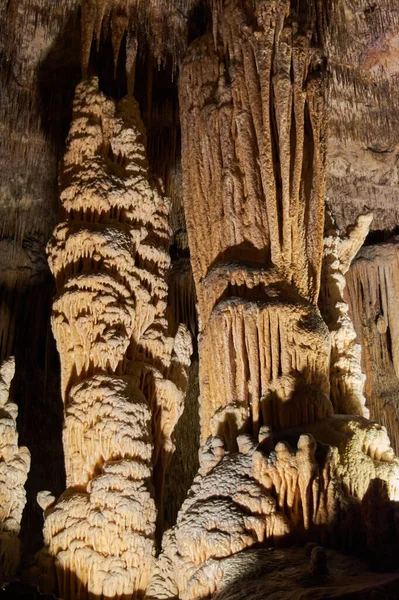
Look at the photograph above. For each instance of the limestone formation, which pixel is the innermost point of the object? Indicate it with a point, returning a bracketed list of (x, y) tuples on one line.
[(270, 494), (122, 377), (167, 30), (253, 137), (253, 131), (14, 468)]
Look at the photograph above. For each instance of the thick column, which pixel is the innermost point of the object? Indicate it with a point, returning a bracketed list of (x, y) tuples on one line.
[(253, 119), (109, 258)]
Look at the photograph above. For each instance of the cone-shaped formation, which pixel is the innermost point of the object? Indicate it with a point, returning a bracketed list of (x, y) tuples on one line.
[(122, 377), (253, 127), (14, 468)]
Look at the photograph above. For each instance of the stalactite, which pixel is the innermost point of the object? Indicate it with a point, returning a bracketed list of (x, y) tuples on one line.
[(14, 468), (122, 377), (163, 23), (253, 147)]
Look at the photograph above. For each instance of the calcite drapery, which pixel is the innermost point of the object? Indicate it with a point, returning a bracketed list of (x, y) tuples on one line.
[(253, 138), (14, 468), (122, 376)]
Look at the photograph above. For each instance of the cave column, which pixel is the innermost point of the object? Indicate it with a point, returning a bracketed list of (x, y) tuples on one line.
[(253, 115), (122, 376)]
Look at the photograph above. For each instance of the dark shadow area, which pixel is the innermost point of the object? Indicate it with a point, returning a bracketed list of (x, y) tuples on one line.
[(36, 390), (379, 236), (22, 591), (245, 254), (309, 572), (57, 77)]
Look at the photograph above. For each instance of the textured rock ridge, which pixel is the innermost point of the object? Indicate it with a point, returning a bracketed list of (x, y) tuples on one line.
[(346, 376), (253, 139), (123, 378), (14, 469)]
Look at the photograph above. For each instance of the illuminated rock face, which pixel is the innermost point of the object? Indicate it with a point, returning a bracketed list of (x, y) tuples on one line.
[(346, 375), (123, 378), (271, 494), (14, 468)]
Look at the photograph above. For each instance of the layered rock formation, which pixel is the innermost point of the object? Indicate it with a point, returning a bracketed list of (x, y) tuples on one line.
[(346, 376), (122, 377), (253, 124), (14, 468)]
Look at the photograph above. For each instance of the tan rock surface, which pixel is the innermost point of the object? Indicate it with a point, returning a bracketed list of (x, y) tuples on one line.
[(254, 213), (270, 494)]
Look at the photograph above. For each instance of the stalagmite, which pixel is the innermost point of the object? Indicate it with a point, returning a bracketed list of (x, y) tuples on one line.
[(123, 378), (270, 494), (14, 468)]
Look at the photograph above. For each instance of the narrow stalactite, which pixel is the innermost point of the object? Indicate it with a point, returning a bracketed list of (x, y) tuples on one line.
[(164, 25), (14, 469), (122, 376)]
